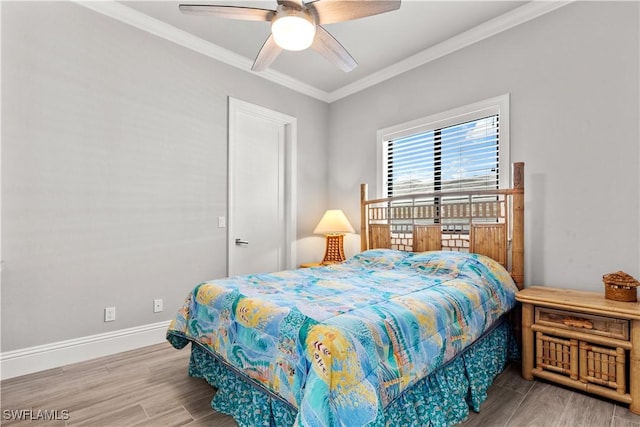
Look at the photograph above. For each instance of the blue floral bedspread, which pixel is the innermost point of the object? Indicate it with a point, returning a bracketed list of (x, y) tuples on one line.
[(339, 343)]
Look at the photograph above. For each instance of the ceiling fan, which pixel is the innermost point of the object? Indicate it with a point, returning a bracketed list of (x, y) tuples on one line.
[(296, 25)]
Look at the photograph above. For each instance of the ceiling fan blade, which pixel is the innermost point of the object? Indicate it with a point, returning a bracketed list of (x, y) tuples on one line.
[(231, 12), (268, 53), (330, 11), (331, 49)]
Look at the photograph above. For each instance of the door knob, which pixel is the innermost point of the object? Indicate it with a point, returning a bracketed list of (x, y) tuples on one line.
[(241, 242)]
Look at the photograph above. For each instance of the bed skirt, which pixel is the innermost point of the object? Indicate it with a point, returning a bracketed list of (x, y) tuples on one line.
[(441, 399)]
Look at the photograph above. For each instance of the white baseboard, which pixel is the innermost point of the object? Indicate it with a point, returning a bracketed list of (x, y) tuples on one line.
[(39, 358)]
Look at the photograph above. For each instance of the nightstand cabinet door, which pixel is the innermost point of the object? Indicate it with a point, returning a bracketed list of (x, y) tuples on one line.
[(557, 355), (603, 365)]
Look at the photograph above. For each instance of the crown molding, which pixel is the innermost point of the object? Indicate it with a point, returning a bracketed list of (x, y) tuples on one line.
[(168, 32), (513, 18)]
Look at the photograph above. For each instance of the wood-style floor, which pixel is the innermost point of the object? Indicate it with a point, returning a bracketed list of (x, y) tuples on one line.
[(150, 387)]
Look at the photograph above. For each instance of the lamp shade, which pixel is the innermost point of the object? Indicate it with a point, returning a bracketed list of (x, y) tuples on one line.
[(333, 222)]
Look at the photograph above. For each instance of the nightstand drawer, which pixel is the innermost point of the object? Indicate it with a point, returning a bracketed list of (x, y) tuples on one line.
[(587, 323)]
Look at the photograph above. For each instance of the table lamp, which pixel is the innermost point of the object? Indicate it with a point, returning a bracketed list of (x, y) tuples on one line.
[(334, 224)]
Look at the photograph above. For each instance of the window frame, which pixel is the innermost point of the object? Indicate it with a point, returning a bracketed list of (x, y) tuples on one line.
[(477, 110)]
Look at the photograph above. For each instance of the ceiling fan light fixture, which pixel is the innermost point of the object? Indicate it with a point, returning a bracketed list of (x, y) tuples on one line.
[(298, 25), (293, 29)]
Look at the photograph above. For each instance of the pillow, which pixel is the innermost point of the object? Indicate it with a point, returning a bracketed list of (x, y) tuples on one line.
[(454, 264), (378, 258), (438, 263)]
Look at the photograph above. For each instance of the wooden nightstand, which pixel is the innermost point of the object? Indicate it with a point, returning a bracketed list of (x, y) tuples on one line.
[(310, 264), (582, 340)]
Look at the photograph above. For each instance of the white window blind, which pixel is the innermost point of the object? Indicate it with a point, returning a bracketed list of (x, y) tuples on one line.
[(464, 156), (461, 149)]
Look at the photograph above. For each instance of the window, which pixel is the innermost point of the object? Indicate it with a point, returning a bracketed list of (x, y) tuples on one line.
[(461, 149)]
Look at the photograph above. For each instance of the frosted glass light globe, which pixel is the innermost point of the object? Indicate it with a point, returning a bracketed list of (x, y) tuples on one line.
[(294, 31)]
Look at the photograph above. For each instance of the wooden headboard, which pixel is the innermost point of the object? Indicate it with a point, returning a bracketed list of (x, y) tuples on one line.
[(487, 222)]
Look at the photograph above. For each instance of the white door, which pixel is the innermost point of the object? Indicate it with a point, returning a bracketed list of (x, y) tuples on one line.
[(261, 226)]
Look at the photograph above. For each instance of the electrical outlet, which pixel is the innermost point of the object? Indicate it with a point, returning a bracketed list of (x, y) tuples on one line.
[(109, 314), (157, 305)]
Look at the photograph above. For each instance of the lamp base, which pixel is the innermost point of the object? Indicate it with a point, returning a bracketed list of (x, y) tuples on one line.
[(334, 252)]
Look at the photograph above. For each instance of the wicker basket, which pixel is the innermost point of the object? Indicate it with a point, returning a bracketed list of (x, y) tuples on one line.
[(620, 286)]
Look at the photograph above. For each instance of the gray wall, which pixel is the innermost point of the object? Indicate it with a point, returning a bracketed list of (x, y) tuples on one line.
[(573, 79), (114, 156), (114, 170)]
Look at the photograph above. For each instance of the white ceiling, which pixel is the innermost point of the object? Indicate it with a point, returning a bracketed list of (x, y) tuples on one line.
[(383, 45)]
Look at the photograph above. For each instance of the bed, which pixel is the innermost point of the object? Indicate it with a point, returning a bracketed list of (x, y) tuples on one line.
[(410, 331)]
